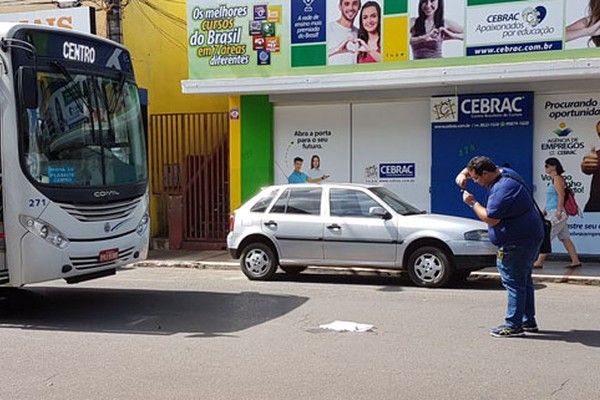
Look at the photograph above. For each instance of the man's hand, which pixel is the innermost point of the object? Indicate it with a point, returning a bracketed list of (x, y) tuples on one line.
[(589, 164), (468, 198), (461, 178)]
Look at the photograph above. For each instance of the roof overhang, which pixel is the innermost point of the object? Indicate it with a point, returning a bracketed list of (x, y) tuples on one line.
[(535, 71)]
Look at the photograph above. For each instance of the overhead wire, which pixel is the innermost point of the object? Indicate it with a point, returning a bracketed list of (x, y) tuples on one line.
[(160, 30), (165, 13)]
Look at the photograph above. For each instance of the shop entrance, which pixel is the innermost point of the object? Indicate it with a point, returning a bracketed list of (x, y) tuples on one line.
[(507, 139), (189, 170)]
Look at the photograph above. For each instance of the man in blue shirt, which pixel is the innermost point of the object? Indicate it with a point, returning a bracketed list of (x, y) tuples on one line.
[(515, 226), (297, 176)]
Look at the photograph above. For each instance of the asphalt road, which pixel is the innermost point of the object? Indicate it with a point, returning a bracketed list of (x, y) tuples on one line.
[(172, 333)]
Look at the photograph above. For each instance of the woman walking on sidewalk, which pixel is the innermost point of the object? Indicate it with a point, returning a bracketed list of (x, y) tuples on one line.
[(555, 212)]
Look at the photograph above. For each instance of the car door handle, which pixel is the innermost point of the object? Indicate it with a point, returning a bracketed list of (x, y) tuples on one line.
[(334, 227), (271, 224)]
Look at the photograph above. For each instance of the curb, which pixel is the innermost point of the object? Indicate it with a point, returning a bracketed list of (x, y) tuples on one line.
[(567, 278), (228, 265)]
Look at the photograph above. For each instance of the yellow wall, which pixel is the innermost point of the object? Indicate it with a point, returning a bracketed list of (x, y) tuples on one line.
[(156, 36)]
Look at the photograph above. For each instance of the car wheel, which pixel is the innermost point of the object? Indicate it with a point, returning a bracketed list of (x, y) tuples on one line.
[(429, 267), (258, 262), (292, 269)]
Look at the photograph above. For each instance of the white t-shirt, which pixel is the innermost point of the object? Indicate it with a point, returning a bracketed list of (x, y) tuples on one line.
[(336, 34), (314, 173)]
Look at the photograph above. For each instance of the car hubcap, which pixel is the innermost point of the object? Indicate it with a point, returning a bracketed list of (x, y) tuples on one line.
[(428, 267), (257, 262)]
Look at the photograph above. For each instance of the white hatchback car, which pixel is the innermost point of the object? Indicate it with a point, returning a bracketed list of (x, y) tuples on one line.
[(352, 225)]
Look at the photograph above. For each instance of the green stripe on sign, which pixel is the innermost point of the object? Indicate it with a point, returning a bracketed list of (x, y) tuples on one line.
[(483, 2), (391, 7), (313, 55)]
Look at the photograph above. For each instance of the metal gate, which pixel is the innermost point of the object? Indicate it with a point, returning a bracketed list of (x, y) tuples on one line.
[(189, 171)]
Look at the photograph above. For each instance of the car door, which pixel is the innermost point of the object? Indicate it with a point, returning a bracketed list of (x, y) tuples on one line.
[(352, 235), (295, 222)]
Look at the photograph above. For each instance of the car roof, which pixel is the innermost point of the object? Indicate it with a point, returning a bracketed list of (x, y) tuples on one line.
[(322, 184)]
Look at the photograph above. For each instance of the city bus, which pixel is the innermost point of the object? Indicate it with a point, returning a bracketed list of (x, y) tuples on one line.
[(74, 201)]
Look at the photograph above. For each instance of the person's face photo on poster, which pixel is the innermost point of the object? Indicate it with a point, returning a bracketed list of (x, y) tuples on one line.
[(369, 33), (342, 31), (436, 29), (348, 11)]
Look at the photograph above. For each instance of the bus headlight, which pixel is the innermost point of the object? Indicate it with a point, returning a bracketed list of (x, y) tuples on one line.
[(44, 230), (143, 224)]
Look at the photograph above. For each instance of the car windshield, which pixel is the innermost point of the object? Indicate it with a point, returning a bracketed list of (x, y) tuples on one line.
[(391, 199)]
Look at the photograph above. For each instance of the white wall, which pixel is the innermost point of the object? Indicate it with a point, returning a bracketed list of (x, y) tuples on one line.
[(301, 131), (397, 132)]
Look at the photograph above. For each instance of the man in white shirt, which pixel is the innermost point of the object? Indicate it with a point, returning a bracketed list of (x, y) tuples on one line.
[(341, 34)]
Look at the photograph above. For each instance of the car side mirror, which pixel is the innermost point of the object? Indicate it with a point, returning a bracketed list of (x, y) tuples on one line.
[(379, 212)]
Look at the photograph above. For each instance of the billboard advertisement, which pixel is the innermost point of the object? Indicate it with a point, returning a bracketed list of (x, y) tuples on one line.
[(79, 19), (567, 127), (312, 37)]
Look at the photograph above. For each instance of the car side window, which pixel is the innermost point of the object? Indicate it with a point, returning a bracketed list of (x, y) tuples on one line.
[(350, 203), (299, 201), (262, 204)]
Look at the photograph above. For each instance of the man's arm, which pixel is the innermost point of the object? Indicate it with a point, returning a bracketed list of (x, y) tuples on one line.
[(479, 210), (461, 178), (589, 163)]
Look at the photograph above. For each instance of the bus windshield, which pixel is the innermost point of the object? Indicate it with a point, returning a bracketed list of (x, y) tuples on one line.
[(87, 131)]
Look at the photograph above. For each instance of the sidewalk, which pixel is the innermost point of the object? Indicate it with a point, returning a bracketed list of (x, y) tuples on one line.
[(554, 270)]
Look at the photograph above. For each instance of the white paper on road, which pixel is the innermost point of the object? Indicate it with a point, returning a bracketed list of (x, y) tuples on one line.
[(347, 326)]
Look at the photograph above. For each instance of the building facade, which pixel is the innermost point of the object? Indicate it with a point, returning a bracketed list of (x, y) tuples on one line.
[(404, 93)]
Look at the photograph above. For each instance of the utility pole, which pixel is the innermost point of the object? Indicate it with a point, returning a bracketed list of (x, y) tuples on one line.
[(113, 21)]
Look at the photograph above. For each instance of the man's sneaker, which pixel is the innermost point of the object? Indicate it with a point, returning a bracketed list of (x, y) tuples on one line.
[(505, 331), (531, 328)]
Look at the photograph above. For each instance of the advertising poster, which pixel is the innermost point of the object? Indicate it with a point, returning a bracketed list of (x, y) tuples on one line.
[(228, 39), (316, 37), (391, 147), (434, 31), (354, 32), (320, 135), (514, 27), (499, 126), (568, 128), (78, 19), (582, 29)]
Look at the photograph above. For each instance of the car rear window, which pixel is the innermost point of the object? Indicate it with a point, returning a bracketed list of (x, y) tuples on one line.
[(264, 201), (299, 201)]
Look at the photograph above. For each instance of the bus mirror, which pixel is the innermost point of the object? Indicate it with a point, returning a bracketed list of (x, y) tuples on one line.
[(28, 87)]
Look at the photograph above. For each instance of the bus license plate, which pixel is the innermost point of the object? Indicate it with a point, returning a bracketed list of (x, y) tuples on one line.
[(108, 255)]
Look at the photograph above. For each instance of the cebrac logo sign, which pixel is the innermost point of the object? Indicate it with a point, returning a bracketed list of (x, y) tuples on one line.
[(492, 105)]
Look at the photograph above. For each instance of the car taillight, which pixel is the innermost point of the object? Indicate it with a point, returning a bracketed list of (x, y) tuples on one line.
[(231, 222)]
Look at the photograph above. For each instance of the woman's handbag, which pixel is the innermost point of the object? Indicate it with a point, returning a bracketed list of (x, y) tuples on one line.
[(571, 207), (546, 247)]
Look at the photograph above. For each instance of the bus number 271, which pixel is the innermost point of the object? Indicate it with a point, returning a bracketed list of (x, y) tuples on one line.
[(37, 202)]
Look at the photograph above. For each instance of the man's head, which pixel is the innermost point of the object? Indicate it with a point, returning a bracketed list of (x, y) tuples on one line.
[(298, 164), (483, 171), (349, 10)]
